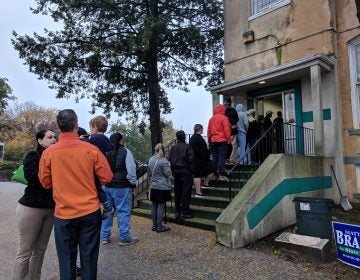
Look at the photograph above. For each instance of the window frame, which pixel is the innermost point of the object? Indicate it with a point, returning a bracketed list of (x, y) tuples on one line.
[(354, 84), (357, 177), (271, 8)]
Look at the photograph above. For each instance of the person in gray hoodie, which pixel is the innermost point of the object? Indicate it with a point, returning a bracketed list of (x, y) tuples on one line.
[(159, 172), (242, 126)]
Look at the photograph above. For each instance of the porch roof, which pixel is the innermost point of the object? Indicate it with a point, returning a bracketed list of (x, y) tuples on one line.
[(279, 74)]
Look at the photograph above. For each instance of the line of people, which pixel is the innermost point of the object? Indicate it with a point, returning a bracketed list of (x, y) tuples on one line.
[(69, 178), (245, 130), (64, 191)]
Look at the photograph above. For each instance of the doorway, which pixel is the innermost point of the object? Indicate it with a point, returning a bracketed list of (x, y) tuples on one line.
[(283, 101)]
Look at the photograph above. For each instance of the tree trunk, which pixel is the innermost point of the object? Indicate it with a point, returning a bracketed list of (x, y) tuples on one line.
[(153, 80)]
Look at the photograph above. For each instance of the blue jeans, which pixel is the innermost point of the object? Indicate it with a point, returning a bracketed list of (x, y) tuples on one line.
[(83, 231), (219, 150), (241, 137), (121, 199)]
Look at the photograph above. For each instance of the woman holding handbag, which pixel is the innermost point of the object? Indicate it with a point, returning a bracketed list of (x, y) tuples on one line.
[(160, 187), (35, 214)]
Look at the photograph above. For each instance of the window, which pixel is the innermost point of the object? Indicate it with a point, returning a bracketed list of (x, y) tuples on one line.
[(354, 64), (260, 7)]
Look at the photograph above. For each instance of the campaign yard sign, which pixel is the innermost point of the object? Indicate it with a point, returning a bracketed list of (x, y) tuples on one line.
[(347, 239)]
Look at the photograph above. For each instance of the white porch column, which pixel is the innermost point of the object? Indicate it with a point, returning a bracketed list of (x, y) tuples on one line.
[(215, 100), (315, 73)]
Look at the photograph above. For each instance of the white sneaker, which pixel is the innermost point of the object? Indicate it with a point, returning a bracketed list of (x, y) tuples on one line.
[(224, 178), (200, 195)]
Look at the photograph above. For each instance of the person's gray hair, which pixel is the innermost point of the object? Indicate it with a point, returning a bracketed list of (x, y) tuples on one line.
[(66, 120)]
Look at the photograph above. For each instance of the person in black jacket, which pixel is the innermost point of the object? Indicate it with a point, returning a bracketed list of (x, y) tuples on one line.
[(202, 165), (233, 117), (182, 161), (119, 191), (252, 135), (270, 132), (35, 214), (279, 132)]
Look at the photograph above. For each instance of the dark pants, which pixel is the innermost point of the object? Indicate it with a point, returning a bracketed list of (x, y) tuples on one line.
[(219, 150), (85, 232), (157, 214), (182, 189)]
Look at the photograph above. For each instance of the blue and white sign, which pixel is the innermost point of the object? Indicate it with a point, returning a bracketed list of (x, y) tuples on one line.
[(347, 239)]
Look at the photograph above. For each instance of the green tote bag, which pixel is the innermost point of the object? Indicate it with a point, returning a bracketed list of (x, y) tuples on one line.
[(18, 175)]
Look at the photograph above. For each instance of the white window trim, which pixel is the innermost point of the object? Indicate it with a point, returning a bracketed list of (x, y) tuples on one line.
[(355, 106), (357, 176), (272, 8)]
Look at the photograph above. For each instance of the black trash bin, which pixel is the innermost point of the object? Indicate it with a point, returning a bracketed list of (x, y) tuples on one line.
[(313, 216)]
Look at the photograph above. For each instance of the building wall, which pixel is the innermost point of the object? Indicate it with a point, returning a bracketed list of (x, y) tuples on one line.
[(301, 28), (347, 29)]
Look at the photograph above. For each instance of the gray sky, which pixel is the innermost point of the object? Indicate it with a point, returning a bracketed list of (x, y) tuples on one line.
[(189, 108)]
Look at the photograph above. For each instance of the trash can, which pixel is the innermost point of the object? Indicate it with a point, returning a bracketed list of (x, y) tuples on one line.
[(313, 216)]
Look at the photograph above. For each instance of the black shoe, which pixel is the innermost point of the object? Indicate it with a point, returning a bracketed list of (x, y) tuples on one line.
[(186, 216), (78, 271), (163, 229), (153, 228)]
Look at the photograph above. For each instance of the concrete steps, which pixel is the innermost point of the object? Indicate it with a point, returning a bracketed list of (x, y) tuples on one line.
[(205, 210)]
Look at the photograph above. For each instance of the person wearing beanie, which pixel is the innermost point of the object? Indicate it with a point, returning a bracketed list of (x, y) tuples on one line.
[(182, 161), (253, 134)]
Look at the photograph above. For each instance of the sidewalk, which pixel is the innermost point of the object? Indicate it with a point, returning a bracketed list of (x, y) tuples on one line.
[(182, 253)]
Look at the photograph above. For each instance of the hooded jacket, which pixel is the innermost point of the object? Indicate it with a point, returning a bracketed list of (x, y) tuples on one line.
[(219, 128), (243, 123), (102, 142)]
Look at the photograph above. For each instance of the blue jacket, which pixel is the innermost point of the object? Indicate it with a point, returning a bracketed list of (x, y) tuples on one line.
[(102, 142)]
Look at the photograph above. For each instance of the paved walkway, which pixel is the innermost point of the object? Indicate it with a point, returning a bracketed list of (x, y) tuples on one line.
[(182, 253)]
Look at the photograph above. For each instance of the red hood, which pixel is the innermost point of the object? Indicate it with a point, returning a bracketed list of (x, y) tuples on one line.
[(219, 109)]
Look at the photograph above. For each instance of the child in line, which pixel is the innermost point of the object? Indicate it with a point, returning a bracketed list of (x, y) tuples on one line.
[(98, 126)]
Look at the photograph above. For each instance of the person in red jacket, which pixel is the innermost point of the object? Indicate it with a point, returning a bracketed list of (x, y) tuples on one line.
[(219, 136)]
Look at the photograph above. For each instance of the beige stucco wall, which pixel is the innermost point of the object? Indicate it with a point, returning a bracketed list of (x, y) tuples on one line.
[(347, 29), (232, 228), (303, 28)]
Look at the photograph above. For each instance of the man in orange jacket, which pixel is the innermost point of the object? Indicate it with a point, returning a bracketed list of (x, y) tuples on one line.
[(219, 136), (69, 168)]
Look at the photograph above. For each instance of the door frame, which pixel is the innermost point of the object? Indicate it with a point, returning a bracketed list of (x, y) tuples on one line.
[(296, 86)]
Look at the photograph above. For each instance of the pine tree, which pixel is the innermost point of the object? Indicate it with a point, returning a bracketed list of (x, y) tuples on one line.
[(123, 54)]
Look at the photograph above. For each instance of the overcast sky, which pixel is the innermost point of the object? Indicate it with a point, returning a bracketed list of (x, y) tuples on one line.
[(189, 108)]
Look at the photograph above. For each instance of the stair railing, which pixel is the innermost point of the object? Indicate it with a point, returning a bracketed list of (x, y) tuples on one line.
[(286, 138)]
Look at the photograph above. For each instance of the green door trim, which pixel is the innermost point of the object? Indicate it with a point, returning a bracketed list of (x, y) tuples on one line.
[(285, 187)]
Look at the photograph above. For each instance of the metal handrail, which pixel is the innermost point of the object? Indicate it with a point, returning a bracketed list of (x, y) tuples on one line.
[(289, 139)]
